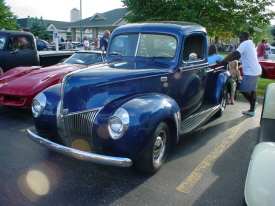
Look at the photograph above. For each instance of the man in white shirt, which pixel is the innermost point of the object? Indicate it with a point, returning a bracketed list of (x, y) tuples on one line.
[(251, 70), (267, 49)]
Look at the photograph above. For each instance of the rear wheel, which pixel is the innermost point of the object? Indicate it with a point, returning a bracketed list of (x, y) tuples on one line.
[(263, 73), (223, 103), (156, 152)]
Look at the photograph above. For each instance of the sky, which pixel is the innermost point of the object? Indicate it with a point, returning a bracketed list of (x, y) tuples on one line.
[(59, 10)]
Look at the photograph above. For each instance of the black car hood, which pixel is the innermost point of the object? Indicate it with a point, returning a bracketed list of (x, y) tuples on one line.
[(97, 86)]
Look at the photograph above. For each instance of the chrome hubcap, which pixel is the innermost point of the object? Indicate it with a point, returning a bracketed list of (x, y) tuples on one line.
[(159, 147)]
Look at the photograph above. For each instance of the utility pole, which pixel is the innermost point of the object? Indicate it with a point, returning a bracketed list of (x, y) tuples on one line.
[(80, 20)]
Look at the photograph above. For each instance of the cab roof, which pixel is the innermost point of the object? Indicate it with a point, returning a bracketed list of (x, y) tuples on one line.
[(165, 27)]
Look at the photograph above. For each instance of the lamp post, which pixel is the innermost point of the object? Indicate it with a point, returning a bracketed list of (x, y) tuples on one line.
[(80, 20)]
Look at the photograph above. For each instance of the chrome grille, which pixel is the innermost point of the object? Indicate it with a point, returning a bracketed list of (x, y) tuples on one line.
[(79, 127)]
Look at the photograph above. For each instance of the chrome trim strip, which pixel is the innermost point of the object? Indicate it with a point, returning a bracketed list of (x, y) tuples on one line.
[(78, 154)]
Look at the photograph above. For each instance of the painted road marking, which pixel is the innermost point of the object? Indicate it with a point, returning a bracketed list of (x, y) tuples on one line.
[(24, 130), (187, 185)]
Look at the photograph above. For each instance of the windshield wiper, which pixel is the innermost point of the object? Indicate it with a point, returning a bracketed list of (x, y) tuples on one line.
[(115, 54), (160, 57)]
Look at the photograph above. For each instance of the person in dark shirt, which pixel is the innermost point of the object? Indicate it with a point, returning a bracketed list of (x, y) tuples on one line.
[(103, 43)]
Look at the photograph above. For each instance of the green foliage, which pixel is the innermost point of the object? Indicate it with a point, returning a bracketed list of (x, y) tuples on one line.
[(39, 29), (262, 85), (220, 17), (7, 18), (273, 32)]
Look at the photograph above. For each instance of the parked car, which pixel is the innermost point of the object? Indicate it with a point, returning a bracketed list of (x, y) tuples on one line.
[(62, 45), (20, 85), (268, 68), (42, 45), (272, 53), (155, 86), (260, 181)]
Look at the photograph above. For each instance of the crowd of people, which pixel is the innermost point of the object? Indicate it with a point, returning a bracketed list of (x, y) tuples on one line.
[(88, 43)]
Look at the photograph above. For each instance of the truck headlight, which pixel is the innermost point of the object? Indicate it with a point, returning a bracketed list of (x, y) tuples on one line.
[(118, 123), (38, 104)]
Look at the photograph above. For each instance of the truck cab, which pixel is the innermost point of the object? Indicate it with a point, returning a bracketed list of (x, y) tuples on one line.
[(17, 46), (155, 87)]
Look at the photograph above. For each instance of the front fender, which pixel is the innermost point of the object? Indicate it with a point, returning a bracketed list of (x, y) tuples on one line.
[(146, 111), (46, 123), (260, 184)]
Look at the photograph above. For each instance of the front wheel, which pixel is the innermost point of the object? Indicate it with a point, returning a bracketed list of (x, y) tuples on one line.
[(156, 152)]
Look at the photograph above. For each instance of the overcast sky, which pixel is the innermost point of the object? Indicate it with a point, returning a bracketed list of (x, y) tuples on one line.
[(59, 10)]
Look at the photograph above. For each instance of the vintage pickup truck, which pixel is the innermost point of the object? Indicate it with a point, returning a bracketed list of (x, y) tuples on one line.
[(18, 48), (155, 87)]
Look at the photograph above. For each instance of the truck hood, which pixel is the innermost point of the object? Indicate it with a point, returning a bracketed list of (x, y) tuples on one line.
[(25, 81), (89, 89)]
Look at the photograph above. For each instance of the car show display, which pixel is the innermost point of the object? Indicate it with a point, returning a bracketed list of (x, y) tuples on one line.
[(20, 85), (155, 86)]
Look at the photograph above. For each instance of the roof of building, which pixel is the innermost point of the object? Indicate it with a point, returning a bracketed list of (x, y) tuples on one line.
[(27, 23), (106, 19)]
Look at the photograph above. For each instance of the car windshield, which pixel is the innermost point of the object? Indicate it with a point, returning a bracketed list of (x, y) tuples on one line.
[(2, 41), (84, 58), (144, 45)]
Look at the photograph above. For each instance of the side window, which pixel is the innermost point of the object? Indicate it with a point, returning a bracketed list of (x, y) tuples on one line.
[(20, 43), (2, 41), (193, 48)]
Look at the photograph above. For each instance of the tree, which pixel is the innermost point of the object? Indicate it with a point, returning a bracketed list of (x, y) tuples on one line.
[(39, 29), (218, 16), (273, 32), (7, 18)]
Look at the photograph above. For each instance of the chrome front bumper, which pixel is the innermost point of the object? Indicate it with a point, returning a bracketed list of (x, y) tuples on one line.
[(81, 155)]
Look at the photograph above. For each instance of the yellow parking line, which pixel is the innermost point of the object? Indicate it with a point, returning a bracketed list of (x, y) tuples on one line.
[(187, 185), (24, 130)]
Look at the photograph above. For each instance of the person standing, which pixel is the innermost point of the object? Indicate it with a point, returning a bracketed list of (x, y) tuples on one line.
[(70, 45), (86, 44), (103, 43), (251, 70), (261, 50), (267, 49)]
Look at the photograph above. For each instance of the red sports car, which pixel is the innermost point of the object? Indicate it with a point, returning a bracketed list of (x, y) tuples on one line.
[(20, 85), (268, 68)]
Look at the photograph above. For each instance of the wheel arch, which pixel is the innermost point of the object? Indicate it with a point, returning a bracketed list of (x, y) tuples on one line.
[(146, 112)]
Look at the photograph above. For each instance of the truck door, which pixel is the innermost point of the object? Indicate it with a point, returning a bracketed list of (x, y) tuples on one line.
[(192, 74), (21, 51)]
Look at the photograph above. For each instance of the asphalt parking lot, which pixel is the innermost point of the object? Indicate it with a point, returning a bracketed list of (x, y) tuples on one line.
[(207, 167)]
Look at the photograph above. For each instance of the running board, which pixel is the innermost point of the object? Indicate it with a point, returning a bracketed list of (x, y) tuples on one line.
[(196, 120)]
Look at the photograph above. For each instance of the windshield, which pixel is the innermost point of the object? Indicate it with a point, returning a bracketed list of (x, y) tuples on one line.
[(85, 58), (2, 41), (144, 45)]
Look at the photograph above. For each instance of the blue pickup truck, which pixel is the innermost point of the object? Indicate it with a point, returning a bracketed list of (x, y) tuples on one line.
[(155, 86)]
